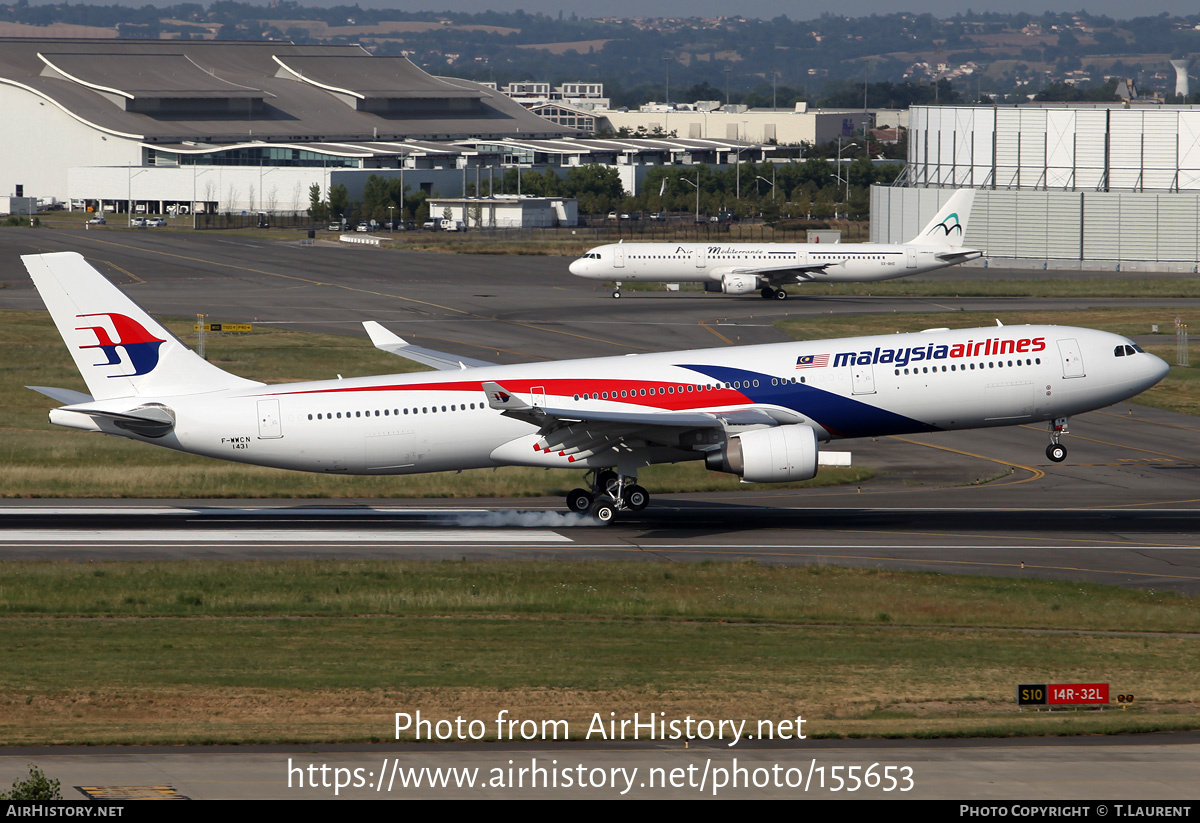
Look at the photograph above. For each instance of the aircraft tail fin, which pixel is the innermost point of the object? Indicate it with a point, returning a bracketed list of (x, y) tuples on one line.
[(949, 225), (120, 350)]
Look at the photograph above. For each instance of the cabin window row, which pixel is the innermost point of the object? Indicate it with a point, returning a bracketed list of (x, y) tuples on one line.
[(660, 390), (392, 412), (971, 366)]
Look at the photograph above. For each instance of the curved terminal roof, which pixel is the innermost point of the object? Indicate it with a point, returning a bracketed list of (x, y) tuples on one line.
[(374, 77), (170, 91)]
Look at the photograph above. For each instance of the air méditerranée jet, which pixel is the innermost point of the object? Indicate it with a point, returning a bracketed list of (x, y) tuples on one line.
[(742, 268), (760, 412)]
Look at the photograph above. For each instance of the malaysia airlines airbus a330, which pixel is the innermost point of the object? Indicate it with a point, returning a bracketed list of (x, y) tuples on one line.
[(760, 412), (741, 268)]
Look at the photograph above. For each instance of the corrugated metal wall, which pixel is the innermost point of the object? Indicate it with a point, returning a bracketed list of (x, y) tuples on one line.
[(1067, 184), (1142, 148), (1054, 225)]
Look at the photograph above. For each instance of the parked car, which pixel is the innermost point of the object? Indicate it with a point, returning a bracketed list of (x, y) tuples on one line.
[(138, 222), (335, 227), (363, 225), (430, 225), (98, 220), (452, 225), (156, 222)]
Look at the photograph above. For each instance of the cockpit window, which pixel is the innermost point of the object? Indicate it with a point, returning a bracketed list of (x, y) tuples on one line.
[(1119, 351)]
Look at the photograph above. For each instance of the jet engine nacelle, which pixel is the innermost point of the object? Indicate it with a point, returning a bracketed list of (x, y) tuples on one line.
[(734, 284), (775, 455)]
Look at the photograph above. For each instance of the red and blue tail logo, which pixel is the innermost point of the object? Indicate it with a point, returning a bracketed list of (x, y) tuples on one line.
[(140, 347)]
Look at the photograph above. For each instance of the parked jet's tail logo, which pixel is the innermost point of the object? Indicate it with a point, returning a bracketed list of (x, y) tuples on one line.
[(948, 225), (140, 347)]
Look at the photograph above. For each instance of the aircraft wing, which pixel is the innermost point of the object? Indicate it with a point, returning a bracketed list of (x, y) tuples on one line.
[(959, 255), (580, 432), (440, 360), (779, 275)]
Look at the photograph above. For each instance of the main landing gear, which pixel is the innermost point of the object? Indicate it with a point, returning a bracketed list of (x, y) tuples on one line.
[(1056, 451), (770, 292), (610, 493)]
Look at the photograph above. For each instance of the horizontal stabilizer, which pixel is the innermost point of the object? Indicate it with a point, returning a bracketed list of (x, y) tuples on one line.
[(151, 420), (384, 340), (67, 397)]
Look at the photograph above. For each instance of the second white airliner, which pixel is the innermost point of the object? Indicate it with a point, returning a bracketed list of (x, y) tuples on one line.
[(742, 268)]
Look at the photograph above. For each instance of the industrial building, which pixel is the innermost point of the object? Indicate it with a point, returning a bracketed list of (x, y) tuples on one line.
[(1069, 185)]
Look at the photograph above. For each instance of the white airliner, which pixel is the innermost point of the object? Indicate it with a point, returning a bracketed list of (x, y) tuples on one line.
[(741, 268), (760, 412)]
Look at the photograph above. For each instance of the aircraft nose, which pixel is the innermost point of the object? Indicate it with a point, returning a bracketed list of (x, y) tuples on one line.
[(576, 267), (1159, 368)]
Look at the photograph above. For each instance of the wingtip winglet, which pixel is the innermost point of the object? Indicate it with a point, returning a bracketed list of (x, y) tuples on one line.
[(381, 336)]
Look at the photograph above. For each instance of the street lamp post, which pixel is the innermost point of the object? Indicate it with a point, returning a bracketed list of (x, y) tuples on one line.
[(129, 183), (696, 186), (839, 166), (194, 176)]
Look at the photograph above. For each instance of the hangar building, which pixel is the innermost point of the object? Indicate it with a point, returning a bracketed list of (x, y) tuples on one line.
[(1071, 185)]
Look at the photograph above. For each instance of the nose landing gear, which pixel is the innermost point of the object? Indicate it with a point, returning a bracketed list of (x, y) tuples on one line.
[(610, 493), (1056, 451)]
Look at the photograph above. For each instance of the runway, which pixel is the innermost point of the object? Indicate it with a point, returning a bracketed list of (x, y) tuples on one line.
[(1124, 509)]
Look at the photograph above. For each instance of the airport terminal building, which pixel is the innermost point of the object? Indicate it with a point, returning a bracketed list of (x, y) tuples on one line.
[(216, 125), (1088, 186), (189, 126)]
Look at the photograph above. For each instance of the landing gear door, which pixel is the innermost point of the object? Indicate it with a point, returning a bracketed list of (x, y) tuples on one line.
[(1072, 359), (864, 379), (269, 426)]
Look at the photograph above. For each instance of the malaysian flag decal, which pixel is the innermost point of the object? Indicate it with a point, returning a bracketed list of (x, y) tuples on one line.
[(812, 361)]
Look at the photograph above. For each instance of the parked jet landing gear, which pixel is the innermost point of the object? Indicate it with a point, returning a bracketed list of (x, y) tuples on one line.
[(609, 494), (1056, 451)]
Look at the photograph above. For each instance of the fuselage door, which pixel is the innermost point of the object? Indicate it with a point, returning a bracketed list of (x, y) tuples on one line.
[(910, 257), (864, 379), (537, 396), (619, 257), (1072, 359), (701, 256), (269, 426)]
